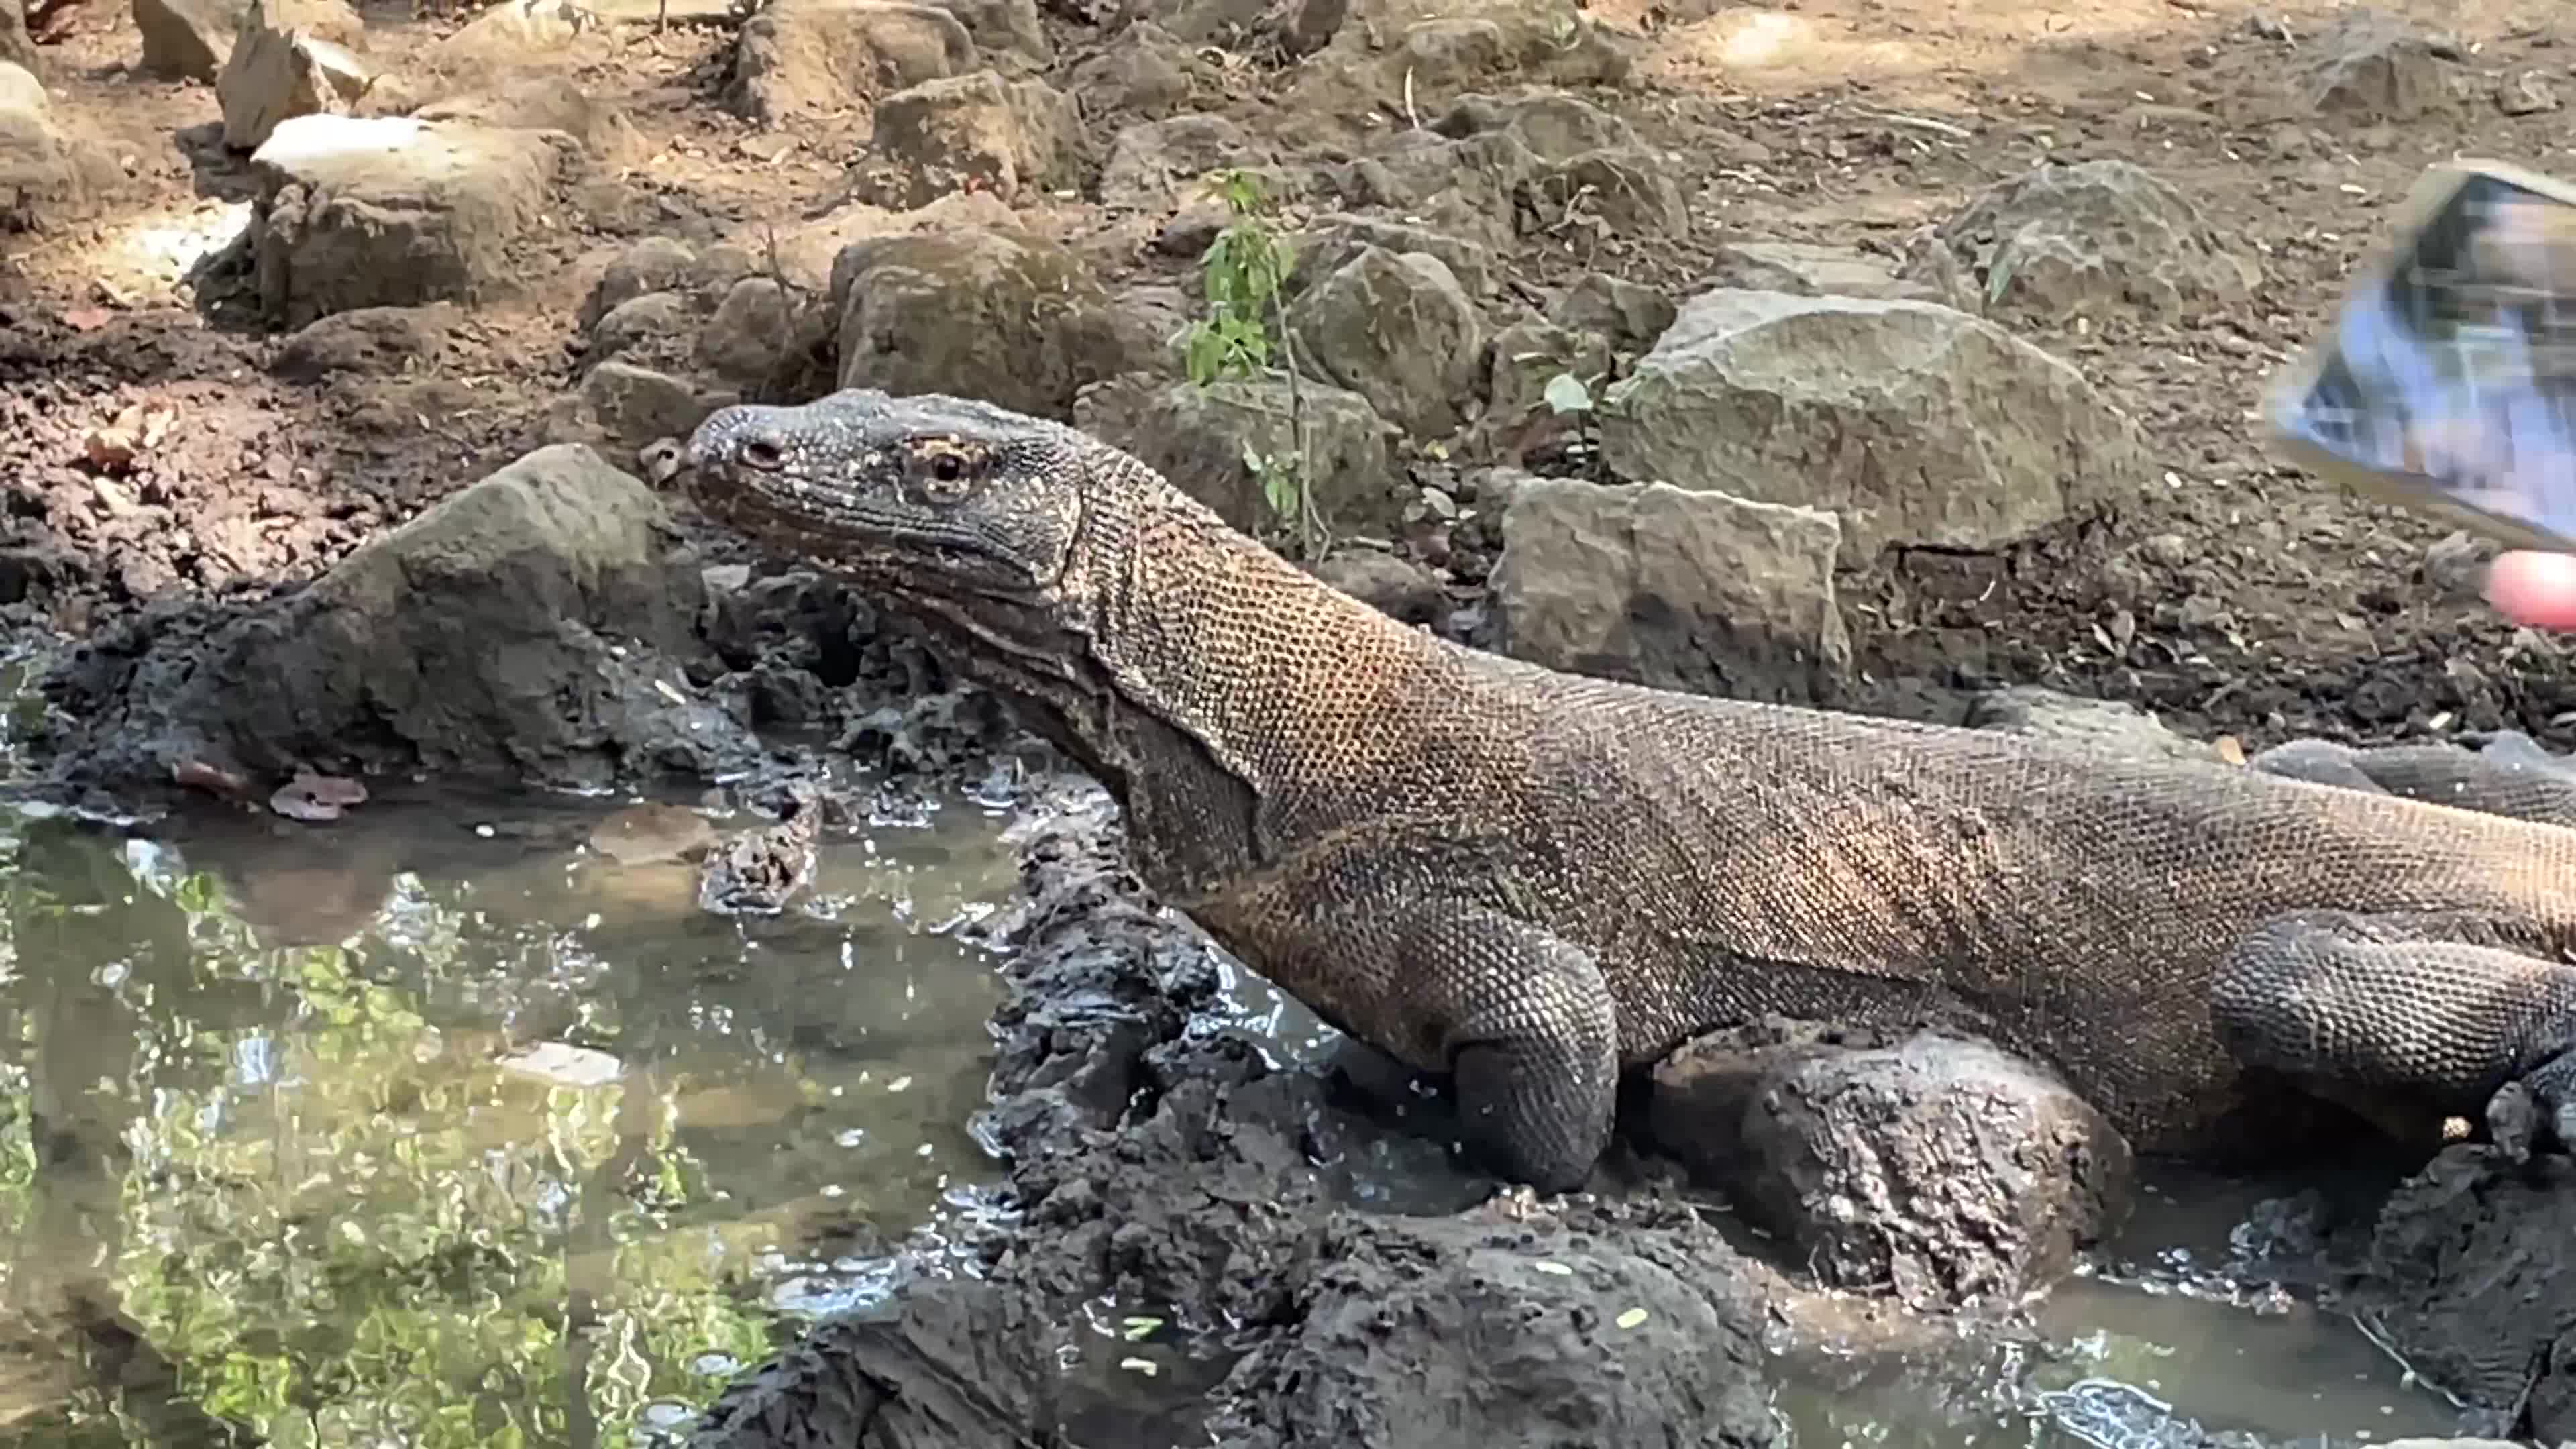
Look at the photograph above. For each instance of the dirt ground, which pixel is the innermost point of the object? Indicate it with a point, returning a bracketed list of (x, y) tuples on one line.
[(2246, 598)]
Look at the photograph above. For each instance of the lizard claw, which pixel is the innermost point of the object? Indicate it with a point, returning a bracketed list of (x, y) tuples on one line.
[(2536, 1112), (2513, 1120)]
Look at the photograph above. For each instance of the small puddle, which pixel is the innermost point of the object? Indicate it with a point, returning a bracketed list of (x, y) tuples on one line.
[(2154, 1357), (401, 1133)]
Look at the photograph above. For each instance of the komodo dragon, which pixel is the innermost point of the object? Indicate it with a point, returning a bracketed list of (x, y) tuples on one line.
[(1531, 880)]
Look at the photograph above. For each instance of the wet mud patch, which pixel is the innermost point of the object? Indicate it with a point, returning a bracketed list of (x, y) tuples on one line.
[(1183, 1215)]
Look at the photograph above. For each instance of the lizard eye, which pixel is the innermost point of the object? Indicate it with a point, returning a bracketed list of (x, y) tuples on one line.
[(763, 455), (947, 467)]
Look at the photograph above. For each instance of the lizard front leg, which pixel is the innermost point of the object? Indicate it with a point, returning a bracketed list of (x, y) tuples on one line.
[(1521, 1019), (2438, 1010)]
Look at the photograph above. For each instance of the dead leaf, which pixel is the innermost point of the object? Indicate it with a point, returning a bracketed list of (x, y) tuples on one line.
[(2228, 748), (315, 799), (88, 319)]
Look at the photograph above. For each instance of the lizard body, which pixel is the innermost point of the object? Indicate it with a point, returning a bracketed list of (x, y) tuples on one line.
[(1532, 880)]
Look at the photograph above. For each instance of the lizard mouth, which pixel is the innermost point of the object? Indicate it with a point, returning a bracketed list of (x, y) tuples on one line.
[(852, 538)]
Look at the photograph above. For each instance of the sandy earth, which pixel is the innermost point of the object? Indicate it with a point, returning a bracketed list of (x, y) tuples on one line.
[(2246, 598)]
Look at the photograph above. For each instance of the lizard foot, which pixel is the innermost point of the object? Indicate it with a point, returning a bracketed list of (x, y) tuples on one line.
[(2444, 1012), (1528, 1030), (2535, 1112)]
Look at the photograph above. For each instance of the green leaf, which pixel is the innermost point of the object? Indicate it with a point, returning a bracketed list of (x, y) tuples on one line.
[(1632, 1318), (1279, 488), (1566, 394)]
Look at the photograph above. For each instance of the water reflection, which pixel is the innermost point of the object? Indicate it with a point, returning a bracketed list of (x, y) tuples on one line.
[(418, 1134)]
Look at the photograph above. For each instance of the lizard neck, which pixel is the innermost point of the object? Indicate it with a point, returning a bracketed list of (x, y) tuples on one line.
[(1221, 694)]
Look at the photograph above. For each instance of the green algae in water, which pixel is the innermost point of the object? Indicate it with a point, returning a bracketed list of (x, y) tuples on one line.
[(515, 1161)]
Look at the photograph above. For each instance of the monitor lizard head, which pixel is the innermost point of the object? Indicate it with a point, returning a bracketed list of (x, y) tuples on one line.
[(932, 495)]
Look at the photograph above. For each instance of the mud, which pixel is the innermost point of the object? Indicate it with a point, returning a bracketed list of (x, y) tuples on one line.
[(1186, 1253)]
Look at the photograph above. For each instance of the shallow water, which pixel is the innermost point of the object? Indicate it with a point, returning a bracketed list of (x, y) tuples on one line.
[(337, 1130), (333, 1134)]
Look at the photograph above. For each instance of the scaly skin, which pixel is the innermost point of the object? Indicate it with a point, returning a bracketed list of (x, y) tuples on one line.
[(1532, 880)]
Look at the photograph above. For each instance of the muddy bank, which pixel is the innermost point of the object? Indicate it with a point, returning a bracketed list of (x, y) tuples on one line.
[(1187, 1256)]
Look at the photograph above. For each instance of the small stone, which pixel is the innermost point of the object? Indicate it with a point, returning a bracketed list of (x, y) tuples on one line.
[(1396, 587), (2526, 93)]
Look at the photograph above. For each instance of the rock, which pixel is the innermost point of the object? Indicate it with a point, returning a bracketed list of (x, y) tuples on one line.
[(1002, 315), (542, 102), (1629, 314), (2469, 1279), (17, 47), (1194, 228), (637, 404), (651, 264), (1149, 74), (1332, 240), (1471, 188), (1526, 356), (525, 629), (1150, 163), (1553, 125), (188, 39), (1681, 590), (1301, 28), (2096, 238), (290, 58), (1628, 191), (510, 33), (1805, 269), (818, 57), (1396, 587), (367, 342), (1196, 437), (1004, 30), (41, 170), (1398, 329), (749, 332), (1480, 1332), (2370, 67), (2112, 725), (2525, 93), (1940, 1168), (1553, 42), (639, 322), (973, 131), (1918, 424), (391, 212)]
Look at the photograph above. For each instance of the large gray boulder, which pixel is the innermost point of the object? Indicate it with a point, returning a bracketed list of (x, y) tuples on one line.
[(2097, 238), (1941, 1169), (538, 626), (1682, 590), (1198, 437), (996, 313), (393, 211), (1918, 424), (1397, 328)]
